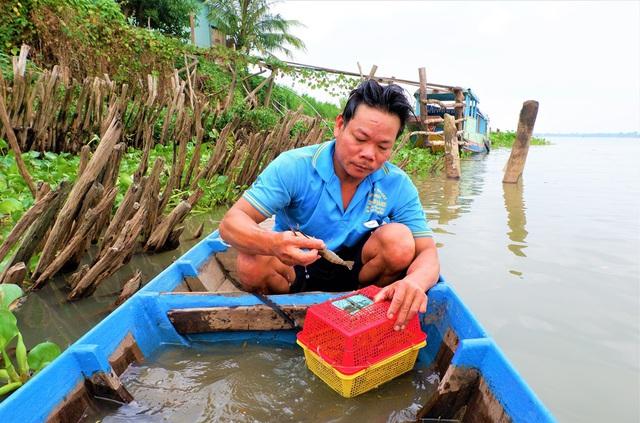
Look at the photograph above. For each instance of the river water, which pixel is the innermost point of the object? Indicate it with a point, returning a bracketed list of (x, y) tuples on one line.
[(550, 266), (255, 383)]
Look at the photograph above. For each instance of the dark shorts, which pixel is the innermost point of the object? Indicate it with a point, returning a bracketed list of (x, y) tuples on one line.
[(322, 275)]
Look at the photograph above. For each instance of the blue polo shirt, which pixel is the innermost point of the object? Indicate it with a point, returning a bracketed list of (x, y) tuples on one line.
[(301, 187)]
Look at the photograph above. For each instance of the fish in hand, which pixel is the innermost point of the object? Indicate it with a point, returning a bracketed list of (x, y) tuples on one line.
[(329, 255)]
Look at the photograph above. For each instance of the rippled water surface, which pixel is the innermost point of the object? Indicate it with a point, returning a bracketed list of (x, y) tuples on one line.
[(255, 383), (550, 266)]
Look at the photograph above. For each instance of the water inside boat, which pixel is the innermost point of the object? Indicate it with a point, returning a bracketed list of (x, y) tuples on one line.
[(257, 383)]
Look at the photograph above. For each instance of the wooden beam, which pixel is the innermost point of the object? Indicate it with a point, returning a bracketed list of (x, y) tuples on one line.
[(108, 385), (520, 149), (15, 274), (192, 24), (126, 353), (257, 317), (424, 115), (13, 143), (455, 391), (459, 105), (385, 79), (73, 407), (372, 72), (451, 155)]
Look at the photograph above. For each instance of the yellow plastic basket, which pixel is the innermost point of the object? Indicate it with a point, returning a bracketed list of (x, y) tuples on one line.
[(373, 376)]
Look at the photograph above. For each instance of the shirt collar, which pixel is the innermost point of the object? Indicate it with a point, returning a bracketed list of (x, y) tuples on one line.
[(322, 161)]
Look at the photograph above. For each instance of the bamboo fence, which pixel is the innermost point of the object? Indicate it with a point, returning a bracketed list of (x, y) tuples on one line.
[(52, 112)]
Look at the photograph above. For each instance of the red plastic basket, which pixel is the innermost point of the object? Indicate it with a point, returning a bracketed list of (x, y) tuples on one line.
[(352, 333)]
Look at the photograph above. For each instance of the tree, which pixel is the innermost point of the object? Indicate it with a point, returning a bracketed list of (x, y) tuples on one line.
[(250, 26), (168, 16)]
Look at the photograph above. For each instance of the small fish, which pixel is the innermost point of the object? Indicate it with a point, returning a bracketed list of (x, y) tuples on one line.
[(329, 255), (325, 253), (332, 257)]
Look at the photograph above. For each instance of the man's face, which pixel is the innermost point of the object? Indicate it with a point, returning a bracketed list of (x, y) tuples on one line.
[(364, 144)]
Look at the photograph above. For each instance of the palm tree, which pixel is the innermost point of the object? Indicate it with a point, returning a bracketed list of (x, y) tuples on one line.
[(250, 26)]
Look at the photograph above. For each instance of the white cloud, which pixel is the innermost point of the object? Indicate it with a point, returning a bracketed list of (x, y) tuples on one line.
[(581, 60)]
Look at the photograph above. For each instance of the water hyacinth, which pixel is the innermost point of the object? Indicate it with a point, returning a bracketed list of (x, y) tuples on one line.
[(28, 363)]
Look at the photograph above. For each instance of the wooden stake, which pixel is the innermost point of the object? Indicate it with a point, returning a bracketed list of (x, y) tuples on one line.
[(372, 72), (267, 97), (37, 230), (520, 149), (15, 274), (459, 106), (422, 139), (112, 260), (130, 287), (60, 231), (79, 240), (192, 24), (452, 155), (160, 234), (13, 142), (25, 221)]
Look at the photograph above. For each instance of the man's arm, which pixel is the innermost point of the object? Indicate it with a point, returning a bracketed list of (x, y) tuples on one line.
[(407, 295), (240, 228)]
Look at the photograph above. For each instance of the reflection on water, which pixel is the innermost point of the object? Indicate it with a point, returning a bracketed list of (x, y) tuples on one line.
[(447, 199), (516, 218), (577, 296)]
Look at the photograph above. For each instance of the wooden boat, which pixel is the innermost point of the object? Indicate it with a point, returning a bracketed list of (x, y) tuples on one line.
[(180, 306), (473, 124)]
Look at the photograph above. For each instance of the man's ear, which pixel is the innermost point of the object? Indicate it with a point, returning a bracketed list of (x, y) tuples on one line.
[(339, 126)]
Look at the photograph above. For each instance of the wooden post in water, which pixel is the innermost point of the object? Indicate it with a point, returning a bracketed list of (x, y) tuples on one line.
[(451, 154), (422, 139), (372, 72), (459, 107), (192, 24), (520, 148)]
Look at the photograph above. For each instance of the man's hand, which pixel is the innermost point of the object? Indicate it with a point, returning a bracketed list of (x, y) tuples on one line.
[(288, 248), (407, 298)]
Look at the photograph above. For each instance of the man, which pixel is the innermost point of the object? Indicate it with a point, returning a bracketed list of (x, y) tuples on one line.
[(347, 198)]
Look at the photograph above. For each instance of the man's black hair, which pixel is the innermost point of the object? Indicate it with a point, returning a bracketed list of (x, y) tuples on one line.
[(388, 98)]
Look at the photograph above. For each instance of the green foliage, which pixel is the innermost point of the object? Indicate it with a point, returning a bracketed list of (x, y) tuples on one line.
[(14, 192), (93, 37), (168, 16), (291, 100), (42, 354), (8, 294), (506, 139), (337, 85), (28, 363), (416, 160), (262, 118), (251, 27), (15, 23)]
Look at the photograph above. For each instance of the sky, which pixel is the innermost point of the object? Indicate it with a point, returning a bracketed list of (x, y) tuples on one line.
[(579, 60)]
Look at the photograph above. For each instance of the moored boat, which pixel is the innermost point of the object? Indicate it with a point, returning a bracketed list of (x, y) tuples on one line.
[(473, 125), (185, 304)]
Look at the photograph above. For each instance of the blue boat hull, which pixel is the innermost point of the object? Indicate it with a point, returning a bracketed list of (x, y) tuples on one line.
[(144, 318)]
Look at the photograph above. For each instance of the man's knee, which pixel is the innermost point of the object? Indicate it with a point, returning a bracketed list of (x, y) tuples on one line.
[(396, 245), (264, 274), (250, 273)]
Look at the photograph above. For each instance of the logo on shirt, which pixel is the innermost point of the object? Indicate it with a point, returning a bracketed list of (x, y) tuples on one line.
[(376, 202)]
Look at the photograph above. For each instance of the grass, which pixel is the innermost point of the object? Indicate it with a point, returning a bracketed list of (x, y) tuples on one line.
[(506, 140)]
